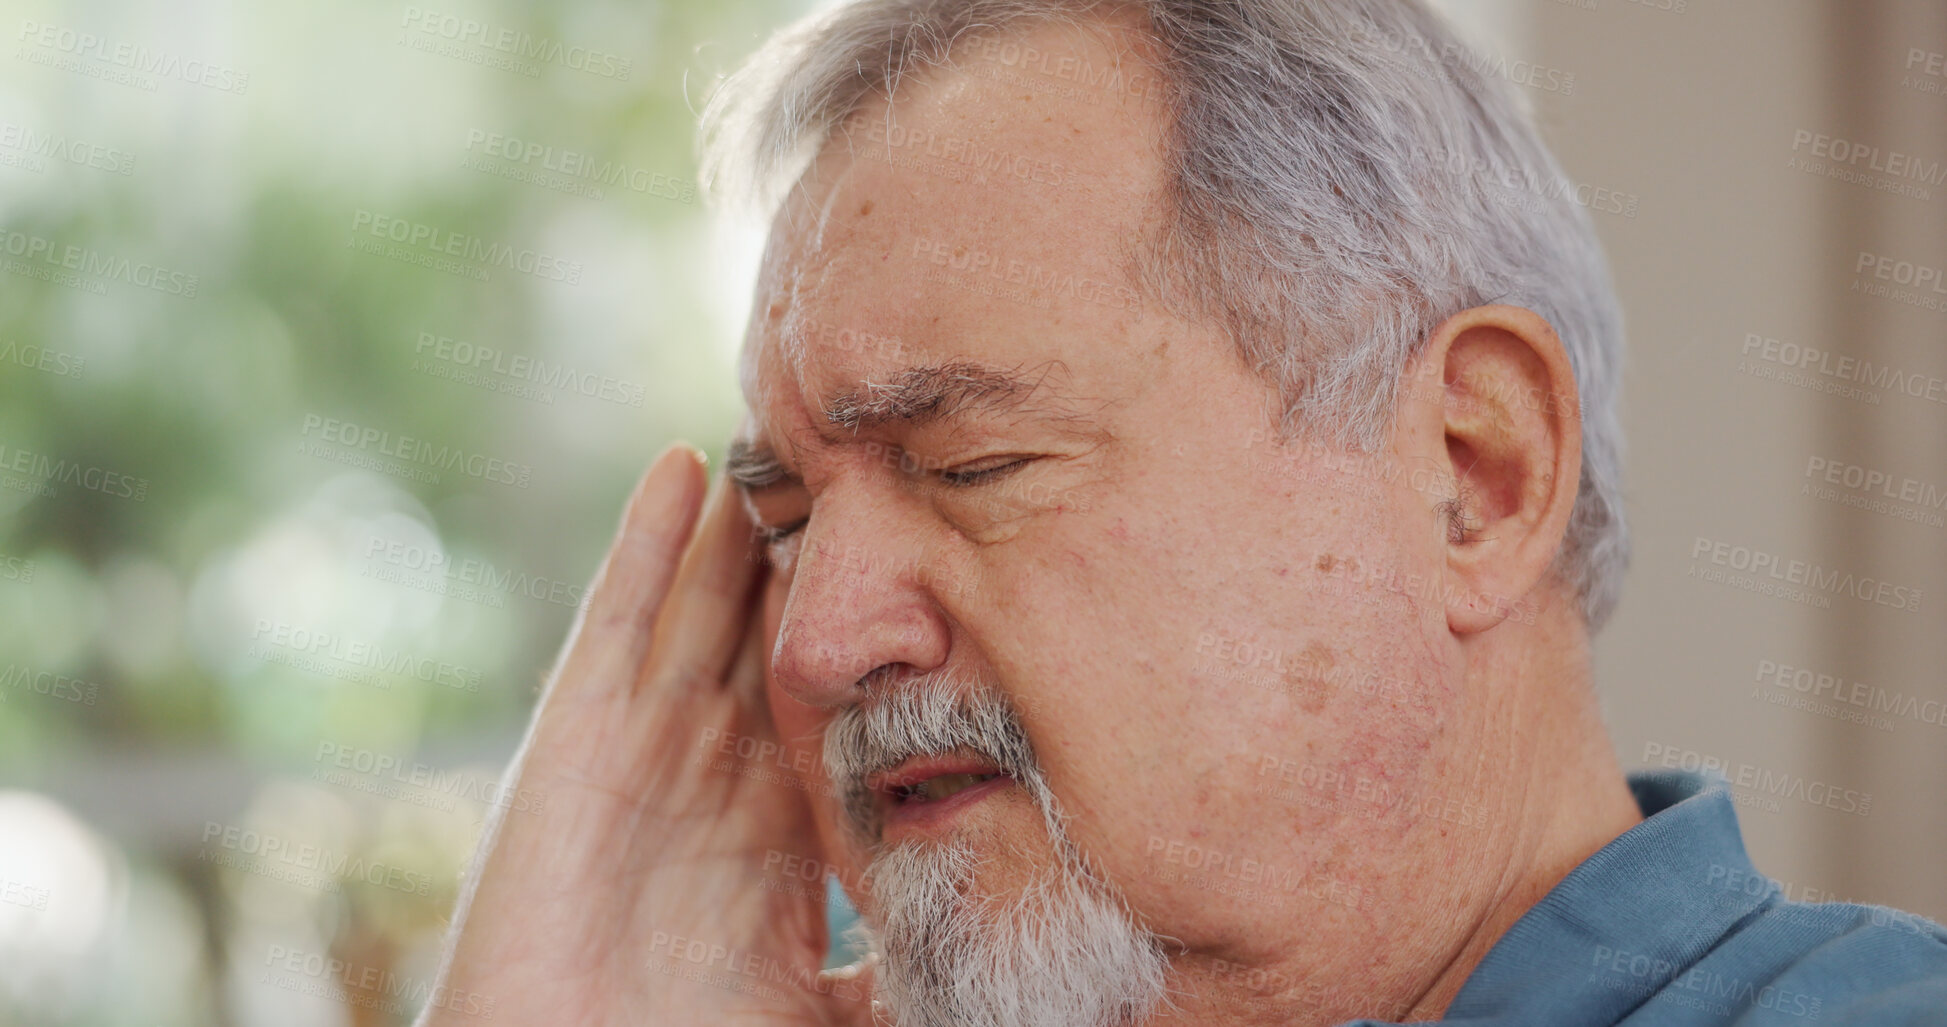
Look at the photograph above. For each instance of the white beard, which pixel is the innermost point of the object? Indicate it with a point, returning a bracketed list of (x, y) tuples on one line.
[(1066, 952), (1060, 954)]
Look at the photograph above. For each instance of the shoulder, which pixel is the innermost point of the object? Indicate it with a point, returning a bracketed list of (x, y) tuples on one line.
[(1832, 963)]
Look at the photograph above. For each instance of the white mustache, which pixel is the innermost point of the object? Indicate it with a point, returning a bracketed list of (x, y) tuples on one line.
[(936, 713), (1064, 952)]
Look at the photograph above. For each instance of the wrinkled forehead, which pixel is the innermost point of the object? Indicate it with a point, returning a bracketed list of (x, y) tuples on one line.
[(991, 213)]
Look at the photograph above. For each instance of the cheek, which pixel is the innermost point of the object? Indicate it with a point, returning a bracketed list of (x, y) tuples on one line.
[(1193, 697)]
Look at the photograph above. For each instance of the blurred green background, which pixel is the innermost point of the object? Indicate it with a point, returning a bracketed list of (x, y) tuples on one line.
[(332, 337)]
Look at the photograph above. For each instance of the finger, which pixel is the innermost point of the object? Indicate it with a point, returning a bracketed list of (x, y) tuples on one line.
[(703, 620), (611, 637), (848, 990)]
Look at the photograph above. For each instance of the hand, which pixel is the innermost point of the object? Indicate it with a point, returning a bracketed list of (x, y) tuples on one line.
[(633, 894)]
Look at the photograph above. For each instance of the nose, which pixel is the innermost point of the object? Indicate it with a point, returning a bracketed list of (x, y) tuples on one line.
[(861, 599)]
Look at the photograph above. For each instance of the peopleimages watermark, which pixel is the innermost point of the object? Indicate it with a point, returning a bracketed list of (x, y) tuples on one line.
[(24, 894), (306, 865), (1310, 991), (421, 784), (794, 874), (121, 62), (1529, 188), (1318, 460), (1926, 71), (1763, 788), (1864, 165), (845, 338), (1379, 581), (469, 578), (1307, 675), (25, 470), (16, 568), (936, 575), (356, 440), (1875, 491), (1917, 285), (991, 274), (1826, 371), (726, 966), (1830, 695), (455, 253), (469, 39), (1755, 570), (1210, 869), (1708, 991), (956, 158), (1749, 882), (517, 374), (85, 268), (564, 170), (41, 358), (1066, 75), (1308, 784), (20, 677), (369, 987), (358, 659), (1452, 53), (728, 752), (24, 148)]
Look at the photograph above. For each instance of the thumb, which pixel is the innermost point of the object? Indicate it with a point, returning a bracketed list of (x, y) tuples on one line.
[(848, 991)]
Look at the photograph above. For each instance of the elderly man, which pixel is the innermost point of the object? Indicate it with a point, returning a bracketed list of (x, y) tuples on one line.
[(1155, 579)]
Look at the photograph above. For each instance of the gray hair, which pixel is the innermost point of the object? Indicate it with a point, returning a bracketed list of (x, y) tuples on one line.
[(1343, 175)]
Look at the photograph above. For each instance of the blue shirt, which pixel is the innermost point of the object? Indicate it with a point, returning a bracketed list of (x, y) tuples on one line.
[(1669, 924)]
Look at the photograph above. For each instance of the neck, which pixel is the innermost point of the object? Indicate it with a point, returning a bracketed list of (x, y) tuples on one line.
[(1569, 794), (1560, 796)]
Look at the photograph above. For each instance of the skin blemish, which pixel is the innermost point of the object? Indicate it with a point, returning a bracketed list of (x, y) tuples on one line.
[(1326, 563), (1311, 681), (865, 208)]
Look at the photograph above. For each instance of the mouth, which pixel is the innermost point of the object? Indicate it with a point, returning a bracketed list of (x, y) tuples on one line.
[(926, 791)]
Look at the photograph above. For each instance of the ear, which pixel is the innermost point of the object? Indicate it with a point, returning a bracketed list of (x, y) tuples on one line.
[(1491, 401)]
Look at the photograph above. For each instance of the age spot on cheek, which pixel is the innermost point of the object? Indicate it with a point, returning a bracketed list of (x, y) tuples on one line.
[(1314, 674)]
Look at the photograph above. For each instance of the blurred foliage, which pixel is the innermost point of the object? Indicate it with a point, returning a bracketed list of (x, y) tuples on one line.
[(152, 672)]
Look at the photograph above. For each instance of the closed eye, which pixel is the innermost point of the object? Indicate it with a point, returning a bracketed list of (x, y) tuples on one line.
[(773, 536), (964, 478)]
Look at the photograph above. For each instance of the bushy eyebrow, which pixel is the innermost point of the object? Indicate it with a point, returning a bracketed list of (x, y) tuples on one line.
[(753, 466), (910, 397), (917, 395)]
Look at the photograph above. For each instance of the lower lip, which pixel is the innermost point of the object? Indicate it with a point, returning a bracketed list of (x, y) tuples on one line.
[(925, 815)]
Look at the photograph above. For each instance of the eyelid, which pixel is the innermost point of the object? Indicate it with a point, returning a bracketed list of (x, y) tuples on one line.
[(770, 535), (966, 479)]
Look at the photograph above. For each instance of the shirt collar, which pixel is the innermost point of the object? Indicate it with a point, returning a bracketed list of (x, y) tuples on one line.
[(1660, 895)]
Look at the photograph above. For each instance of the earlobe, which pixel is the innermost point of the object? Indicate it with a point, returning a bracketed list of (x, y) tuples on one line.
[(1498, 383)]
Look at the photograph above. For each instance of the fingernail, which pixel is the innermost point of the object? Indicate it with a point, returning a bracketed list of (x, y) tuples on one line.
[(668, 467)]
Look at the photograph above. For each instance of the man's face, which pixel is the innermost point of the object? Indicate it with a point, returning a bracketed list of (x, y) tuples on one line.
[(1011, 469)]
